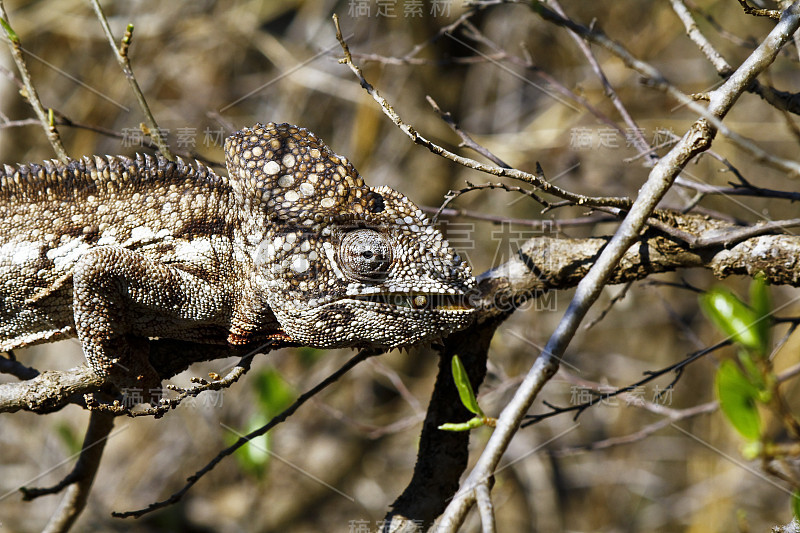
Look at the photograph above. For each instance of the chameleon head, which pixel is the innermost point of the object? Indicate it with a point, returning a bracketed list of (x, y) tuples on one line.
[(339, 263)]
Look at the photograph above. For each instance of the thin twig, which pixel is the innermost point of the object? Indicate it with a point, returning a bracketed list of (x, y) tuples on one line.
[(783, 101), (670, 416), (656, 80), (639, 435), (729, 236), (716, 59), (452, 195), (418, 61), (749, 43), (286, 413), (618, 298), (466, 140), (546, 224), (532, 179), (370, 431), (64, 120), (474, 9), (695, 141), (398, 384), (650, 375), (527, 63), (758, 12), (30, 94), (79, 481), (201, 385), (738, 190), (636, 135), (121, 54)]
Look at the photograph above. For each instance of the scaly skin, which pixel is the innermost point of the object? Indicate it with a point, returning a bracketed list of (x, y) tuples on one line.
[(292, 248)]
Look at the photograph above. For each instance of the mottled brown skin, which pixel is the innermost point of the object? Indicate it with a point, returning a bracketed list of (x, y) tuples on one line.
[(291, 248)]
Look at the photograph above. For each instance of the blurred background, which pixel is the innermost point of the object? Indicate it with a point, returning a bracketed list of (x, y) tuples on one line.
[(208, 68)]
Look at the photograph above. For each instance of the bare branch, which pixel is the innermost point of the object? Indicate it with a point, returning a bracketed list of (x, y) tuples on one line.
[(52, 390), (758, 12), (636, 134), (486, 509), (10, 365), (286, 413), (716, 59), (466, 140), (738, 190), (503, 288), (49, 391), (696, 140), (202, 385), (728, 236), (578, 409), (748, 43), (618, 298), (553, 224), (79, 480), (527, 63), (657, 80), (670, 416), (452, 195), (532, 179), (781, 100), (784, 101), (643, 433), (30, 94), (121, 55)]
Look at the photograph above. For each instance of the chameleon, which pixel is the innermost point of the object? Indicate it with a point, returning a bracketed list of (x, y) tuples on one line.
[(291, 248)]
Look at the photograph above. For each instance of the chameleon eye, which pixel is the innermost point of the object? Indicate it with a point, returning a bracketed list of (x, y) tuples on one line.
[(365, 254)]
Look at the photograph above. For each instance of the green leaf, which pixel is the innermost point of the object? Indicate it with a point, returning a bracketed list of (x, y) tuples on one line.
[(796, 504), (762, 308), (733, 317), (464, 387), (71, 440), (752, 450), (737, 398), (253, 457), (309, 356), (751, 370), (11, 33), (274, 393), (472, 423)]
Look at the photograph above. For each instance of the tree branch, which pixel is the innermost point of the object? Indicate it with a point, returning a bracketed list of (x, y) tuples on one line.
[(52, 390), (121, 55), (501, 291), (443, 455), (286, 413), (79, 480), (45, 117), (658, 81), (696, 140), (532, 179)]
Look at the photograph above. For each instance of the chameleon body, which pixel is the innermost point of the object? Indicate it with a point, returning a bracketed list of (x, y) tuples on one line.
[(291, 248)]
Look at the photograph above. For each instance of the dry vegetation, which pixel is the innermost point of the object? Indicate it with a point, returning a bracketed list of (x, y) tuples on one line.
[(208, 67)]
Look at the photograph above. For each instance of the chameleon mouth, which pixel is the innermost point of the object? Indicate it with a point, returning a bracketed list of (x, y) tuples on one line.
[(421, 301)]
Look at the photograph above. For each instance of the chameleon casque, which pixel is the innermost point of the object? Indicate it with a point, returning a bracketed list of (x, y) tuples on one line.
[(291, 248)]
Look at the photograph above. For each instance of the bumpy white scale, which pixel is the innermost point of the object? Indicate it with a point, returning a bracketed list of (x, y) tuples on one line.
[(370, 266), (291, 248)]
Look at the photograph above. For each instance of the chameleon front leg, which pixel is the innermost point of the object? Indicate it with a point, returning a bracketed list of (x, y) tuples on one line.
[(120, 299)]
